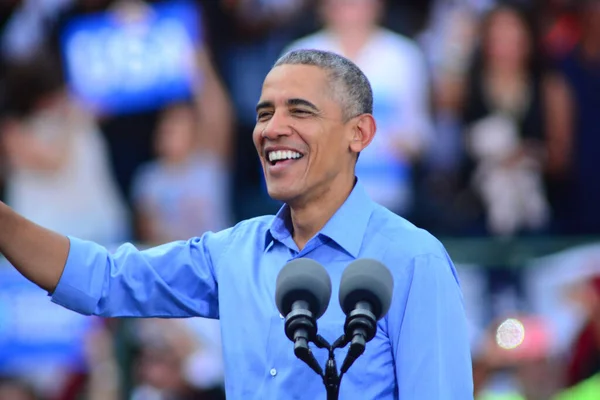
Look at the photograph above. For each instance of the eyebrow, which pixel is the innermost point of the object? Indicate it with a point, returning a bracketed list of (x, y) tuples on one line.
[(289, 102)]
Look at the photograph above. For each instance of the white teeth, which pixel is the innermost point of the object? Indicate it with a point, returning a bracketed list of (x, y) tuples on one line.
[(283, 155)]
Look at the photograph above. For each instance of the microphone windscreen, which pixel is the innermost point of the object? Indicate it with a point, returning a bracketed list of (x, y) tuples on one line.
[(366, 280), (303, 279)]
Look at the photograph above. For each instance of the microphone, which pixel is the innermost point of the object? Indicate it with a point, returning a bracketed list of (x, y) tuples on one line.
[(302, 293), (365, 296)]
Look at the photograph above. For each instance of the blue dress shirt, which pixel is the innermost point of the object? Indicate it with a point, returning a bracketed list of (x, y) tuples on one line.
[(421, 350)]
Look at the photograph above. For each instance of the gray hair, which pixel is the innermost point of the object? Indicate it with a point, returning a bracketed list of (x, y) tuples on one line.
[(348, 83)]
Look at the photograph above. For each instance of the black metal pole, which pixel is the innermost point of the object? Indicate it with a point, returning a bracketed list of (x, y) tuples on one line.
[(332, 379), (333, 393)]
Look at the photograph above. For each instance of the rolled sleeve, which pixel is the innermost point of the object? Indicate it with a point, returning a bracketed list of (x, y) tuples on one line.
[(174, 280), (80, 286)]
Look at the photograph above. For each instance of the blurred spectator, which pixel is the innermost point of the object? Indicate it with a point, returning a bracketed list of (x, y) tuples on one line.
[(448, 42), (504, 122), (16, 390), (129, 134), (585, 356), (102, 379), (574, 132), (164, 368), (583, 372), (451, 34), (396, 69), (184, 193), (59, 174), (26, 31), (513, 362)]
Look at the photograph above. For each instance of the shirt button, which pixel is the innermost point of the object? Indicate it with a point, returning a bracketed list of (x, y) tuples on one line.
[(273, 372)]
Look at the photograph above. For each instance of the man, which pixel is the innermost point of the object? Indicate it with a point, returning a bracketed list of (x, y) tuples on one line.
[(313, 119)]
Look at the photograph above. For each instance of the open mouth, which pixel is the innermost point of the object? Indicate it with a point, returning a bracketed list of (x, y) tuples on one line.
[(280, 156)]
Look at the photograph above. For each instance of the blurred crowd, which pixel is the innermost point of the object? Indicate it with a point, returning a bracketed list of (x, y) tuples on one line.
[(488, 118)]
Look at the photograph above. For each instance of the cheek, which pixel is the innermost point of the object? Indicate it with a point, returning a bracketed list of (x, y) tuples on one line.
[(256, 137), (328, 155)]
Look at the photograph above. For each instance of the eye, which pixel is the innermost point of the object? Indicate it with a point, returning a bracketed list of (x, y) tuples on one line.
[(262, 116), (300, 112)]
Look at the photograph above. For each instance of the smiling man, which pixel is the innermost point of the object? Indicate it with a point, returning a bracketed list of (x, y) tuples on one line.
[(314, 117)]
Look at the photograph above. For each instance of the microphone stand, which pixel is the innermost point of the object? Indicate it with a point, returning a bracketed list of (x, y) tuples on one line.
[(331, 378), (301, 329)]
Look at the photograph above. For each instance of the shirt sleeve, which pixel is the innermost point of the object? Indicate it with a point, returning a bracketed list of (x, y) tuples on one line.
[(174, 280), (430, 336)]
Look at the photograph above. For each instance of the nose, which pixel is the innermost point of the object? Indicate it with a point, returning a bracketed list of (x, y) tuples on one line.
[(277, 127)]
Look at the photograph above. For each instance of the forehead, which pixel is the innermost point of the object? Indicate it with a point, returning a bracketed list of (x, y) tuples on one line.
[(296, 81)]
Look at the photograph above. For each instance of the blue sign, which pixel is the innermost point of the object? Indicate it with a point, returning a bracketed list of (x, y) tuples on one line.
[(34, 332), (125, 63)]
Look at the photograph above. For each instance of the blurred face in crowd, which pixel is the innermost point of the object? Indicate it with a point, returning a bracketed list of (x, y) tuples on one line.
[(304, 143), (349, 15), (161, 369), (176, 132), (507, 41)]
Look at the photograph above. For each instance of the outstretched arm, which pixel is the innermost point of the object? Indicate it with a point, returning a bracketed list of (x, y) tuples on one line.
[(172, 280)]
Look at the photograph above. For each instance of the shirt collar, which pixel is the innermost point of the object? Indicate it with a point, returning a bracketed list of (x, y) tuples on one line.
[(347, 226)]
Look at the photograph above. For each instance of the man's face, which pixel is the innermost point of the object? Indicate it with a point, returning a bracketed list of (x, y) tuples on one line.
[(351, 14), (300, 134)]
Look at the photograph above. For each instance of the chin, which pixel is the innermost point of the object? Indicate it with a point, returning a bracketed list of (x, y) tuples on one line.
[(283, 194), (278, 195)]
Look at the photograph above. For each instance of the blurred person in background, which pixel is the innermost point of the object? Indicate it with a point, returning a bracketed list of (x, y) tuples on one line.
[(129, 134), (448, 41), (184, 192), (103, 378), (582, 375), (513, 361), (396, 69), (7, 9), (504, 126), (174, 364), (58, 174), (11, 389), (25, 31), (574, 130)]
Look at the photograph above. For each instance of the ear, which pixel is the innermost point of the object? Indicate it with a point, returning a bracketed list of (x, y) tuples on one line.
[(363, 132)]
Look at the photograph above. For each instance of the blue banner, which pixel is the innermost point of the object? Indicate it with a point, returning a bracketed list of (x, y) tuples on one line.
[(126, 63), (34, 332)]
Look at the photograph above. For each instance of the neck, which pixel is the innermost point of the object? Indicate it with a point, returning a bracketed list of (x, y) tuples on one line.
[(352, 40), (310, 217), (175, 161), (506, 72)]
